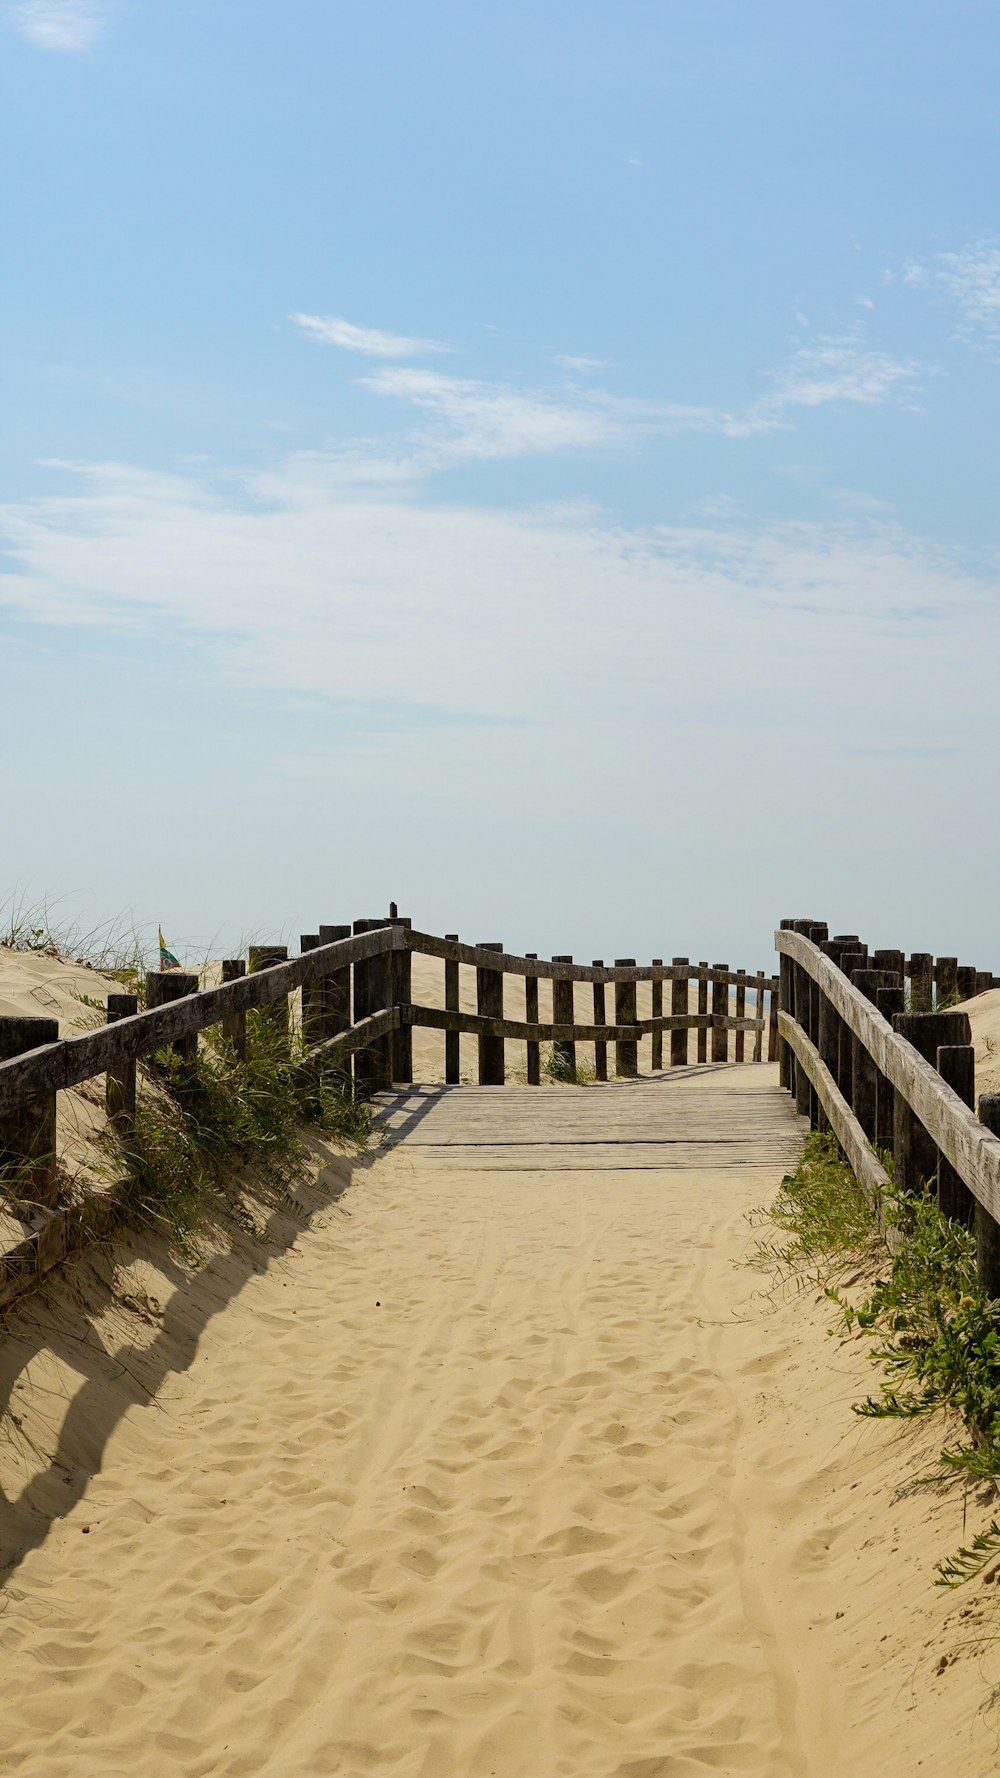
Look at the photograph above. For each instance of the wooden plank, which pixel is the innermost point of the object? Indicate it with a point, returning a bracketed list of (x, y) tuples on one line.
[(28, 1132), (119, 1082), (703, 1029), (437, 1018), (428, 945), (234, 1025)]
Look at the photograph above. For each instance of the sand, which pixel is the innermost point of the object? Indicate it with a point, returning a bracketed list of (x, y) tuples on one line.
[(468, 1474)]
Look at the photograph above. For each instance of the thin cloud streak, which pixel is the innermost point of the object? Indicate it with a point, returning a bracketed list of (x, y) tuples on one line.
[(971, 278), (67, 26), (333, 330)]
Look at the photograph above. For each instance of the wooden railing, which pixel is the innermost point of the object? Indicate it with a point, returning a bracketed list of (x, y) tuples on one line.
[(356, 1003), (893, 1073)]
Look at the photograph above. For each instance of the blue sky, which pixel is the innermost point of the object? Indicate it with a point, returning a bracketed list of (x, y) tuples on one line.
[(537, 463)]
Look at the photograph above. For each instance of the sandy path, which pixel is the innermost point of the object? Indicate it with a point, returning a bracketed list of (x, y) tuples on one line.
[(487, 1478)]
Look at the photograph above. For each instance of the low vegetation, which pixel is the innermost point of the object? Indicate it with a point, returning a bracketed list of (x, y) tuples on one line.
[(935, 1335)]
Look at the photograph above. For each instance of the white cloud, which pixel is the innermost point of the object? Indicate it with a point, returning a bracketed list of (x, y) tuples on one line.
[(333, 330), (972, 281), (837, 370), (569, 361), (285, 584), (67, 25), (491, 420)]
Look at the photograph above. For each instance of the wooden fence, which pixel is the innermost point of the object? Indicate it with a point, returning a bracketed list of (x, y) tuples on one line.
[(357, 1008), (892, 1072)]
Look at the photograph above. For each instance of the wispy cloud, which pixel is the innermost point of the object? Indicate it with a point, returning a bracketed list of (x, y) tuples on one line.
[(570, 361), (840, 369), (971, 278), (492, 420), (333, 330), (67, 25)]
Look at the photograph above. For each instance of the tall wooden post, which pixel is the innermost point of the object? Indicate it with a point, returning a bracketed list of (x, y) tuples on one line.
[(679, 1009), (720, 1010), (489, 1001), (741, 1013), (453, 1039), (656, 1012), (967, 975), (987, 1230), (563, 1052), (702, 1050), (533, 1056), (786, 990), (163, 987), (921, 981), (234, 1025), (400, 968), (984, 981), (956, 1064), (626, 1052), (772, 1028), (28, 1135), (849, 962), (946, 979), (119, 1081), (600, 1018)]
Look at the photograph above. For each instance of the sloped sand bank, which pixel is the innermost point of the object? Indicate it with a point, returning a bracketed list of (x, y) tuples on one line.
[(479, 1476)]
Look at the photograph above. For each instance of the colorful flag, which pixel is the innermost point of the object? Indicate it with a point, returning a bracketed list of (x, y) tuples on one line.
[(167, 958)]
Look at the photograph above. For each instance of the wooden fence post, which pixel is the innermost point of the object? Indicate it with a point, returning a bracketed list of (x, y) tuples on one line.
[(600, 1018), (656, 1012), (889, 1002), (336, 987), (967, 974), (679, 1009), (921, 974), (772, 1027), (988, 1231), (312, 997), (914, 1152), (849, 962), (563, 1052), (234, 1025), (741, 1013), (165, 986), (703, 1013), (373, 1064), (400, 966), (946, 978), (533, 1056), (984, 981), (489, 1003), (28, 1135), (720, 1010), (119, 1081), (758, 1036), (956, 1064), (786, 990), (274, 1018), (453, 1039), (626, 1002)]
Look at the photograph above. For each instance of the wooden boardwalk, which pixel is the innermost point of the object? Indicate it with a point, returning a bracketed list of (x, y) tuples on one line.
[(683, 1119)]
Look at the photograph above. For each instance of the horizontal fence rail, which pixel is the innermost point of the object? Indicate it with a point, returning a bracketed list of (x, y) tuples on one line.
[(891, 1079), (358, 1015)]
